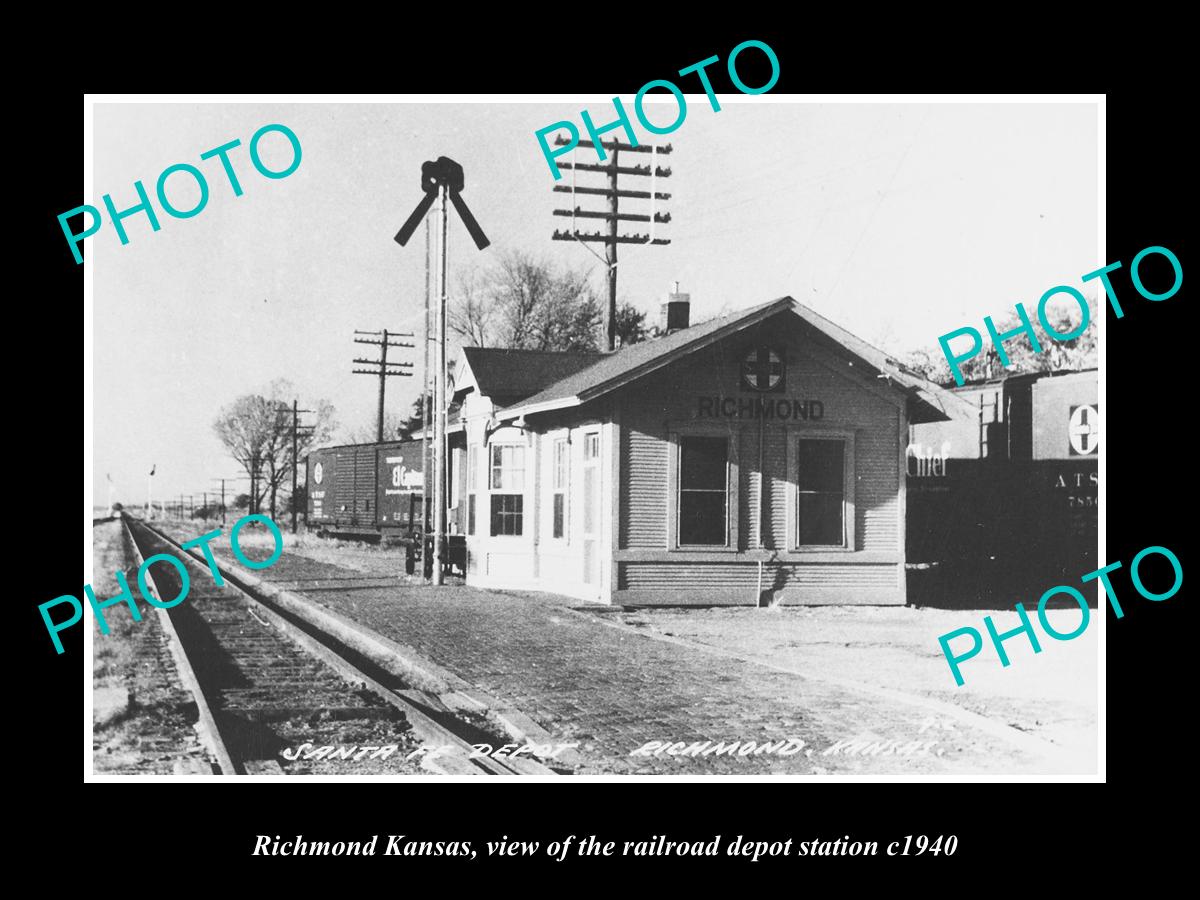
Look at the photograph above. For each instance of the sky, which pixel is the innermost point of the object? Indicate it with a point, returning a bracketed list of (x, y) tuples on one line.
[(900, 222)]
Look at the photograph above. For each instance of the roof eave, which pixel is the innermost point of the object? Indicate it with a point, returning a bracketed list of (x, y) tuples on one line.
[(516, 412)]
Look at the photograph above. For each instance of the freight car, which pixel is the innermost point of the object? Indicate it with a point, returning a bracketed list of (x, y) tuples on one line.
[(366, 489), (1002, 502), (373, 491)]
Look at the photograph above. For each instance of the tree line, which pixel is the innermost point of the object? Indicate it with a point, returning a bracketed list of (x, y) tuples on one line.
[(1078, 353), (524, 302), (256, 430)]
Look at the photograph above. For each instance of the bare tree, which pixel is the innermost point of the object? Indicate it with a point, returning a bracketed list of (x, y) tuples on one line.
[(526, 303), (244, 427), (471, 315), (256, 429)]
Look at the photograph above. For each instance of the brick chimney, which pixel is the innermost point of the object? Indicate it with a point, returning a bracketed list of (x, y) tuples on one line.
[(676, 312)]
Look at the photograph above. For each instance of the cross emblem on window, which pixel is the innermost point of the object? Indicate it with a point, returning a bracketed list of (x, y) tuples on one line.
[(762, 370)]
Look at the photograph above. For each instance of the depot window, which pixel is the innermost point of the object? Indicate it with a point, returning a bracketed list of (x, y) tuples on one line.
[(703, 499), (472, 486), (456, 464), (507, 484), (823, 506), (562, 468)]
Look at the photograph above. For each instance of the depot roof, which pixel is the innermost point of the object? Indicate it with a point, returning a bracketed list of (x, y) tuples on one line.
[(510, 376), (607, 372)]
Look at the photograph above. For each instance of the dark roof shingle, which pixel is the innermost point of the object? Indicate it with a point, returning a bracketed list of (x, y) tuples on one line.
[(614, 368), (516, 374)]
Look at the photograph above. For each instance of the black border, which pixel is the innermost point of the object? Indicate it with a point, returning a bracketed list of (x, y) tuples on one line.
[(997, 824)]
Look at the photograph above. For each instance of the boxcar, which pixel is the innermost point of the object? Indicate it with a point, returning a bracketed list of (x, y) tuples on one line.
[(1004, 504), (366, 489)]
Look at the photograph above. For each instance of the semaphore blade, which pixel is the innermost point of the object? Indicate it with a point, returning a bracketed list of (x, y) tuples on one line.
[(464, 213), (407, 229)]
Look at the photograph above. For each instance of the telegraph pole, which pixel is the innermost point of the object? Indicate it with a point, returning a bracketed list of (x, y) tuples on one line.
[(222, 480), (298, 431), (613, 192), (383, 371)]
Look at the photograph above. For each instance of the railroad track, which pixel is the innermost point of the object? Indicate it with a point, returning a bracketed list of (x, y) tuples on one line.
[(262, 679)]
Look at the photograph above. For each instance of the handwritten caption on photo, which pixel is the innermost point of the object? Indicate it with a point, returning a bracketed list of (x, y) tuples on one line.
[(353, 752), (860, 746)]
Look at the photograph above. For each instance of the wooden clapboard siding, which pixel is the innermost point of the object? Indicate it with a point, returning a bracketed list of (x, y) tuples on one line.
[(777, 494), (833, 574), (664, 576), (877, 485), (733, 574), (748, 518), (643, 478)]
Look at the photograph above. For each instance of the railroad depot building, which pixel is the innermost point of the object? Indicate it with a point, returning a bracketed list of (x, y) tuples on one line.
[(755, 458)]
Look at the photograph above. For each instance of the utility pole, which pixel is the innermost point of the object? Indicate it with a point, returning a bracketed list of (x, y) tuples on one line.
[(383, 371), (204, 507), (298, 431), (150, 492), (613, 192), (222, 480)]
